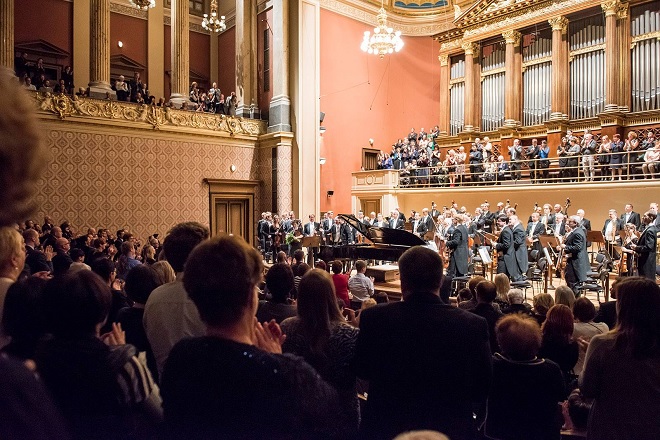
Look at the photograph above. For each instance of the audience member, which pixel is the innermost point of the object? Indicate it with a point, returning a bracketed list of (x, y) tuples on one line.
[(523, 400), (575, 410), (23, 317), (558, 344), (415, 341), (585, 328), (622, 368), (169, 314), (472, 285), (541, 304), (487, 292), (164, 272), (12, 260), (322, 337), (233, 382), (564, 295), (279, 282), (301, 270), (105, 269), (340, 280), (359, 286), (127, 260), (517, 303), (503, 286)]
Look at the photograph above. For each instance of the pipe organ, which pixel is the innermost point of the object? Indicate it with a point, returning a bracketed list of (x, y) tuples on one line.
[(492, 86), (645, 53), (456, 95), (587, 67), (537, 76)]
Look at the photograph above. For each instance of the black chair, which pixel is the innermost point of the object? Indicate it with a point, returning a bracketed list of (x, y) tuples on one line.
[(525, 284), (457, 283), (597, 284)]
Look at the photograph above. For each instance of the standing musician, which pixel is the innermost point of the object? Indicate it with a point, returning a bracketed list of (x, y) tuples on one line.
[(534, 229), (629, 240), (458, 245), (396, 222), (611, 230), (547, 218), (559, 225), (646, 247), (506, 260), (311, 229), (575, 250), (519, 244), (276, 234)]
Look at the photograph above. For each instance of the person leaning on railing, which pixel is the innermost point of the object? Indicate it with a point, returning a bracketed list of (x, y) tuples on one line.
[(573, 154), (617, 159), (604, 150), (652, 161)]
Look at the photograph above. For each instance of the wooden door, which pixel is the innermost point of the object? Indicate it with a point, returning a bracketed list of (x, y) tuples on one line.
[(370, 205), (231, 217)]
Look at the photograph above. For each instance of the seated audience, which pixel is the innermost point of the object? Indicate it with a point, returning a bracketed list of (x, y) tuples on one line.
[(23, 317), (233, 382), (622, 367), (102, 388), (564, 295), (558, 344), (517, 303), (503, 286), (300, 271), (472, 285), (322, 337), (12, 261), (279, 282), (585, 328), (486, 293), (359, 285), (575, 410), (607, 311), (541, 304), (523, 400)]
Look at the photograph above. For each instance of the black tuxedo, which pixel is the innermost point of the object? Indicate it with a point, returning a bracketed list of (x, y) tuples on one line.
[(577, 261), (633, 218), (36, 261), (520, 246), (427, 364), (458, 261), (306, 229), (396, 224), (617, 226), (506, 263), (539, 229), (646, 248), (562, 228), (586, 224)]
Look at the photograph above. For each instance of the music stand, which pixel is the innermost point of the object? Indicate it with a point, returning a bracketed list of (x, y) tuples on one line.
[(311, 242), (549, 241)]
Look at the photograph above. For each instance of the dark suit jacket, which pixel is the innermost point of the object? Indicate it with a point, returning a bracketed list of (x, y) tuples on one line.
[(427, 364), (505, 246), (36, 261), (634, 219), (61, 263), (646, 247), (520, 246), (540, 229), (458, 263), (396, 224), (577, 248), (306, 228), (421, 227), (617, 227)]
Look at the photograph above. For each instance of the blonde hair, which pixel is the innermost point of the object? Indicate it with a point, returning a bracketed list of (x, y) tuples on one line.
[(503, 286), (564, 295), (369, 302), (11, 243), (23, 152), (164, 272)]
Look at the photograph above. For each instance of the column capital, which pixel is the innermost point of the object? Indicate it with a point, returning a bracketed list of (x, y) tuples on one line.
[(444, 60), (615, 7), (469, 47), (512, 36), (559, 24)]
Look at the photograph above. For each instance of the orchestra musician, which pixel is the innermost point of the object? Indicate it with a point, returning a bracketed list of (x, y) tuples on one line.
[(575, 250), (519, 244), (559, 225), (458, 245), (396, 222), (534, 229), (506, 260), (276, 236), (611, 230), (311, 229), (630, 216), (646, 247)]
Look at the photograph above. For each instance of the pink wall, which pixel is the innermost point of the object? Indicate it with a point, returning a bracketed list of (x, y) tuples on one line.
[(133, 33), (200, 49), (48, 20), (365, 97), (227, 61)]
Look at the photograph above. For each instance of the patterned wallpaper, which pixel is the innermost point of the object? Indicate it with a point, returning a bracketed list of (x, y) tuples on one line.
[(142, 179)]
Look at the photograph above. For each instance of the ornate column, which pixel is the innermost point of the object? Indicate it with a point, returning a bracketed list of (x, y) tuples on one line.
[(612, 72), (560, 69), (624, 62), (180, 52), (7, 34), (279, 113), (513, 79), (445, 73), (246, 43), (99, 54), (470, 97), (81, 40), (155, 50)]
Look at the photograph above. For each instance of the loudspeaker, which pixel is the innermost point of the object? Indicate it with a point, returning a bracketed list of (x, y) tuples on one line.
[(321, 117), (330, 193)]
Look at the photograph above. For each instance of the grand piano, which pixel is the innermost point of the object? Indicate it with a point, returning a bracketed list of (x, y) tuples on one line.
[(386, 244)]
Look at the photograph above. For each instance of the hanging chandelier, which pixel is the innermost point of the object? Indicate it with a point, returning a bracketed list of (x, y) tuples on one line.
[(212, 23), (143, 4), (384, 40)]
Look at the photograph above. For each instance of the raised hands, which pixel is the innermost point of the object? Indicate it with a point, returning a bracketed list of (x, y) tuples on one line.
[(115, 337), (268, 336)]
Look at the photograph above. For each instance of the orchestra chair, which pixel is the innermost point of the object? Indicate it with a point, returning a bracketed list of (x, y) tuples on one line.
[(457, 283), (525, 284), (597, 285)]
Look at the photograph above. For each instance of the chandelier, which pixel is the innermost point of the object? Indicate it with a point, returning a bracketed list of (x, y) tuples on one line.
[(143, 4), (384, 40), (212, 23)]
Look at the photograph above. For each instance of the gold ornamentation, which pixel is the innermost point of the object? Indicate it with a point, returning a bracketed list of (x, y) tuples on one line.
[(559, 24), (512, 36), (610, 7), (587, 50), (470, 47), (156, 117), (535, 61), (125, 9), (452, 44), (444, 60), (622, 11), (492, 72)]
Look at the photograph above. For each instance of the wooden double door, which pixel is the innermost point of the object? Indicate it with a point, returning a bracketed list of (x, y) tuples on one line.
[(232, 205)]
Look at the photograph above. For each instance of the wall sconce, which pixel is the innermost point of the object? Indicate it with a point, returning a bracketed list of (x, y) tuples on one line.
[(232, 168), (120, 44), (322, 160), (330, 193)]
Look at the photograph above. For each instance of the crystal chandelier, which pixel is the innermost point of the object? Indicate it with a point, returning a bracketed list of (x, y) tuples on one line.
[(143, 4), (212, 23), (384, 40)]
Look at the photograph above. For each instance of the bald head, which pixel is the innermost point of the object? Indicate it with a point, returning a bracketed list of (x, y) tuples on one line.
[(62, 244)]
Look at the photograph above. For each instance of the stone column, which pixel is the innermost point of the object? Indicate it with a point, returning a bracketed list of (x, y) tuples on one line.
[(155, 51), (625, 66), (470, 97), (559, 90), (279, 113), (99, 43), (611, 56), (246, 44), (81, 40), (214, 56), (445, 73), (513, 79), (180, 52), (7, 34)]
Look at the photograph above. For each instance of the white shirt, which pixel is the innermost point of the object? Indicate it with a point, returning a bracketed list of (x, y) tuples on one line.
[(360, 287)]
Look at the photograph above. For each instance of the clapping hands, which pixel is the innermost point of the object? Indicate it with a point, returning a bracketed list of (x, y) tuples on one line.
[(268, 336)]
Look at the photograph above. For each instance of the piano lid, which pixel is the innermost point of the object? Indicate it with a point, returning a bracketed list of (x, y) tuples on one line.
[(383, 236)]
